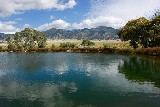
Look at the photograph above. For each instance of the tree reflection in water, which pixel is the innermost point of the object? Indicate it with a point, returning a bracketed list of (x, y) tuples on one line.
[(141, 70)]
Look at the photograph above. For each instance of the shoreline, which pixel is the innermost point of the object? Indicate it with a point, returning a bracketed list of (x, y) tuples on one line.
[(112, 47), (57, 42), (142, 51)]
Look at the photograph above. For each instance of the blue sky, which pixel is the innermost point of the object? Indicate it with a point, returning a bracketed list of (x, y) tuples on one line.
[(42, 15)]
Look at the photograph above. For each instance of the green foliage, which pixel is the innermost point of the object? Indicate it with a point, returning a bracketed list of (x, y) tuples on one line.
[(18, 41), (27, 39), (67, 45), (12, 46), (11, 42), (53, 46), (9, 39), (106, 46), (41, 40), (32, 35), (157, 40), (31, 45), (141, 31), (87, 43)]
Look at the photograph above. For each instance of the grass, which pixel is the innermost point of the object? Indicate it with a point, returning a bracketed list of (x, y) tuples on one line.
[(110, 46), (57, 43), (98, 44)]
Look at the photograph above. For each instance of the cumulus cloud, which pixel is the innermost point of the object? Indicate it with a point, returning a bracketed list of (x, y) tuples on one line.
[(116, 13), (8, 27), (27, 26), (9, 7), (59, 24), (99, 21)]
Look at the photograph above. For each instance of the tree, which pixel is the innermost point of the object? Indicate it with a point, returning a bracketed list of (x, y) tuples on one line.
[(142, 31), (11, 42), (155, 31), (18, 41), (27, 39), (135, 31), (28, 36), (41, 39)]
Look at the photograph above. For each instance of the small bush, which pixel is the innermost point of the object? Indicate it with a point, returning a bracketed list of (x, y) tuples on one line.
[(1, 48), (11, 46), (67, 45), (53, 46), (87, 43), (106, 46)]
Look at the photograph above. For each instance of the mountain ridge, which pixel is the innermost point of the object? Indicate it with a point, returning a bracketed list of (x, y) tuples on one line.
[(101, 33)]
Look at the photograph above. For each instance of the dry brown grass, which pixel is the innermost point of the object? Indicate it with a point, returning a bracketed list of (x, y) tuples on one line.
[(110, 46), (98, 44)]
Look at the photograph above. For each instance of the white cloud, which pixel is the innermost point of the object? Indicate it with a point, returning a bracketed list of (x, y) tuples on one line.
[(8, 27), (59, 24), (116, 13), (99, 21), (9, 7), (112, 13), (10, 23), (19, 19), (27, 26)]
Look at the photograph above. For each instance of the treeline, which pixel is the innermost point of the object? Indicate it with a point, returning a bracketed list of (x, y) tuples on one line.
[(27, 39), (142, 32)]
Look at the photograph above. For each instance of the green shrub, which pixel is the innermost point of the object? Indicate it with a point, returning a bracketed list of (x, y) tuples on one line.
[(87, 43), (53, 46), (106, 46), (1, 48), (67, 45), (11, 46)]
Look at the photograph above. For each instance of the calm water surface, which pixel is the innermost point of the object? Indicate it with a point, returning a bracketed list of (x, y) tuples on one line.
[(78, 80)]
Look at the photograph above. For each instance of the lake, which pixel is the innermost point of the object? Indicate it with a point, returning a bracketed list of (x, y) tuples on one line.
[(78, 80)]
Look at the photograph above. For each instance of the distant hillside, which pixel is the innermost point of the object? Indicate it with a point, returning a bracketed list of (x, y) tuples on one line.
[(3, 36), (100, 33)]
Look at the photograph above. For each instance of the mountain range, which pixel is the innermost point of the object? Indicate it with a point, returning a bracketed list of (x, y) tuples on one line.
[(3, 36), (100, 33)]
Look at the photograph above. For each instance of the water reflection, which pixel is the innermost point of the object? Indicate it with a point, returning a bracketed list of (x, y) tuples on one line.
[(49, 94), (142, 70), (21, 62), (78, 80)]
